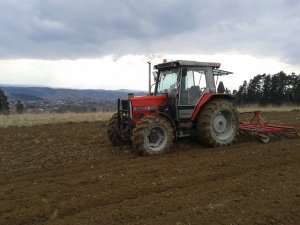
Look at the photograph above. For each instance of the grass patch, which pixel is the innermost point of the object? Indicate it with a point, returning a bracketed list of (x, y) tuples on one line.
[(29, 119), (268, 108)]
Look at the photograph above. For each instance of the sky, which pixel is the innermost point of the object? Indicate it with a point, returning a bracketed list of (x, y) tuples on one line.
[(106, 44)]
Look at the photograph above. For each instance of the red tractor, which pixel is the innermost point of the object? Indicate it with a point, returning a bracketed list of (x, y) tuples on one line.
[(184, 103)]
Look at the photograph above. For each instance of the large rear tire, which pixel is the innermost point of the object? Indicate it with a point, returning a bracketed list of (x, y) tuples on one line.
[(218, 123), (112, 130), (153, 135)]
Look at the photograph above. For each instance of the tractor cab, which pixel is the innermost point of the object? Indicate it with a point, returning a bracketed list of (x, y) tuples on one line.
[(185, 83)]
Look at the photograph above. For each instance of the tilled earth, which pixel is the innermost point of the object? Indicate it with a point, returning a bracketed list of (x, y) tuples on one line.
[(70, 174)]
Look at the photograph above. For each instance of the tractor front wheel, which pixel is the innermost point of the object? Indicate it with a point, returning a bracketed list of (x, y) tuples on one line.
[(153, 135), (218, 123)]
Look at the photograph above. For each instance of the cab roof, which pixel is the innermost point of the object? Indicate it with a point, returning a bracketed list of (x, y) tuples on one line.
[(187, 63)]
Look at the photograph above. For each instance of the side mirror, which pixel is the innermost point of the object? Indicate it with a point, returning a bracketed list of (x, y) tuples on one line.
[(154, 75)]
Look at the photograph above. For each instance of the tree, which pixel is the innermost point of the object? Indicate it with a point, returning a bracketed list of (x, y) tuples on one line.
[(254, 89), (242, 94), (277, 89), (4, 106), (266, 90), (296, 88), (20, 107)]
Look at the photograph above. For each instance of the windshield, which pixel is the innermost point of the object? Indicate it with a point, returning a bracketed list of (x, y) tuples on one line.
[(167, 81)]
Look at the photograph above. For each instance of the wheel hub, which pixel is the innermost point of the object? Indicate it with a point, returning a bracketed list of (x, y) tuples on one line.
[(156, 138), (220, 124), (265, 139)]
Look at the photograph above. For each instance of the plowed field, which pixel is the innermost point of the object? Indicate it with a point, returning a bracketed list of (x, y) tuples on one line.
[(70, 174)]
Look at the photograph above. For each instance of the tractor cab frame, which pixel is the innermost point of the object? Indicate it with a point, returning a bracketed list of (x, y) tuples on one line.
[(185, 83)]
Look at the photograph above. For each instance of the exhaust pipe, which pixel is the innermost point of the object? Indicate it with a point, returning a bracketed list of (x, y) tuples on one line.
[(149, 63)]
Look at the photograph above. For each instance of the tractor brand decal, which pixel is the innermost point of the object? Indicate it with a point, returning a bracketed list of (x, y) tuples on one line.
[(140, 108), (146, 108)]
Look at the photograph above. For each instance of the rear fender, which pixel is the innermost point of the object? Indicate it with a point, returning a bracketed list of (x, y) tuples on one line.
[(207, 98)]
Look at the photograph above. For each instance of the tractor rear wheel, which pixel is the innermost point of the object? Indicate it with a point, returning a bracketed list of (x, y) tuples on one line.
[(153, 135), (218, 123), (112, 130)]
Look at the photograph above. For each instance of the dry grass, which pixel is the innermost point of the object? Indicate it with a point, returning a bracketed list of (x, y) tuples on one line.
[(269, 108), (54, 118), (29, 119)]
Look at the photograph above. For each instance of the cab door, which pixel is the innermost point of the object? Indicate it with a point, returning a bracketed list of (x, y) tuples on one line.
[(192, 87)]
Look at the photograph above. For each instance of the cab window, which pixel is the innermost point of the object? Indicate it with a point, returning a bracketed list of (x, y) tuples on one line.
[(167, 82), (193, 84)]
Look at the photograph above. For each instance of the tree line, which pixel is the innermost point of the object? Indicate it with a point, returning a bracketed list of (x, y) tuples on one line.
[(264, 89)]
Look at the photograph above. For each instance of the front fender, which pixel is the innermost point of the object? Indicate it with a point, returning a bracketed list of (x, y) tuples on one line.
[(171, 121)]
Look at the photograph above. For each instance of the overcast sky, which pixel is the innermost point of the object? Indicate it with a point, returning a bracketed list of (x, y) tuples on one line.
[(106, 44)]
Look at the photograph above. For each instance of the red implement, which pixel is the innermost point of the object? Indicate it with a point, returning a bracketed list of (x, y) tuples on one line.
[(258, 126)]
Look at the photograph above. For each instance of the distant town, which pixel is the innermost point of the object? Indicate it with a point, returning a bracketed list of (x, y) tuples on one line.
[(60, 106), (58, 100)]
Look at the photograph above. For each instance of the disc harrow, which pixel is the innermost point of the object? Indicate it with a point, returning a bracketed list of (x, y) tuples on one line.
[(258, 126)]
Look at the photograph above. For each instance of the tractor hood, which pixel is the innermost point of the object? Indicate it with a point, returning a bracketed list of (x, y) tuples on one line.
[(148, 102)]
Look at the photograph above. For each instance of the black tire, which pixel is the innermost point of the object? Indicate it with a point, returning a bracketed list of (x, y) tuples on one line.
[(112, 130), (153, 135), (218, 123)]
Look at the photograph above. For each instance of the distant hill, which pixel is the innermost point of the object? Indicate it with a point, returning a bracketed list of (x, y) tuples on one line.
[(46, 93)]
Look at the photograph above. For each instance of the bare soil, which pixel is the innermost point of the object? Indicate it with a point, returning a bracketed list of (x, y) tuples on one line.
[(70, 174)]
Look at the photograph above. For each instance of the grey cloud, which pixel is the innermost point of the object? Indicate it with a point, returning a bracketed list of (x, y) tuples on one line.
[(54, 29)]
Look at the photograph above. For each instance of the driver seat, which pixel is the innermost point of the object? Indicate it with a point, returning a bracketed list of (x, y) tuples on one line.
[(194, 94)]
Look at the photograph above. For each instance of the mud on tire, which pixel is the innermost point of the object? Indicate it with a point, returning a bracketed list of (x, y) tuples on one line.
[(153, 135), (218, 123)]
